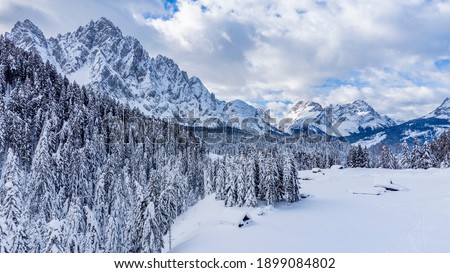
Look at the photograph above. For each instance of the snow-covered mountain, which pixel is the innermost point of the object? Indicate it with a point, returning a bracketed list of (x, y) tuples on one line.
[(425, 128), (442, 112), (344, 120), (98, 54)]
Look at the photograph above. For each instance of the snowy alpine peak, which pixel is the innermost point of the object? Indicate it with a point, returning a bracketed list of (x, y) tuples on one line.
[(305, 108), (98, 54), (299, 113), (358, 107), (239, 108), (443, 111), (29, 37), (352, 117), (358, 116)]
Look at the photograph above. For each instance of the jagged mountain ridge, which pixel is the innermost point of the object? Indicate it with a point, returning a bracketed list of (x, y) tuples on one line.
[(98, 54), (352, 118)]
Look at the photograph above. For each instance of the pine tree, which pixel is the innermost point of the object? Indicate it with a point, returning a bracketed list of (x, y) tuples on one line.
[(221, 179), (3, 128), (352, 157), (53, 237), (42, 177), (427, 159), (148, 237), (446, 162), (387, 158), (250, 185), (92, 239), (257, 175), (209, 178), (270, 180), (405, 160), (112, 236), (416, 155), (230, 185), (12, 205), (240, 182), (291, 184), (74, 227)]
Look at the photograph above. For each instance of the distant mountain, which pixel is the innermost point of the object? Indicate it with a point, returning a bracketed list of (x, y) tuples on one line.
[(442, 112), (338, 120), (98, 54), (425, 128)]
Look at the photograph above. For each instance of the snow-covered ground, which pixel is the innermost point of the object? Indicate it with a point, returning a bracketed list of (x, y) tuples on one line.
[(333, 218)]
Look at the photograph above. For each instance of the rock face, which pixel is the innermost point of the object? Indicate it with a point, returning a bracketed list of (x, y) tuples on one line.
[(99, 55)]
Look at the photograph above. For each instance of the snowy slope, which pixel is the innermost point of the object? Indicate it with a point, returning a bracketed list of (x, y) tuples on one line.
[(372, 140), (352, 118), (99, 54), (333, 219)]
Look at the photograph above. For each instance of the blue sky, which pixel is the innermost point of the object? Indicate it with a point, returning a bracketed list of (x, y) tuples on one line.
[(393, 54)]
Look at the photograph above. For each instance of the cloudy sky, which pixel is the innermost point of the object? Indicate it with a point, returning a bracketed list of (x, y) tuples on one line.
[(393, 54)]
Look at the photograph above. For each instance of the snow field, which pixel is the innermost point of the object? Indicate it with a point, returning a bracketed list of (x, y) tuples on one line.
[(333, 218)]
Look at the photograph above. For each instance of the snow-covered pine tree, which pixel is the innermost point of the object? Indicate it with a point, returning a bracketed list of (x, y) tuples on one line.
[(352, 157), (250, 186), (53, 238), (279, 178), (291, 184), (12, 209), (92, 241), (208, 174), (3, 128), (168, 206), (405, 160), (270, 180), (366, 158), (74, 227), (148, 237), (427, 159), (42, 177), (241, 189), (221, 178), (360, 161), (230, 184), (257, 174), (441, 146), (387, 158), (113, 238), (416, 155), (446, 162)]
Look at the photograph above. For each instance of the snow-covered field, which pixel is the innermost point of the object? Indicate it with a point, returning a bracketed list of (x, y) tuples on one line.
[(333, 218)]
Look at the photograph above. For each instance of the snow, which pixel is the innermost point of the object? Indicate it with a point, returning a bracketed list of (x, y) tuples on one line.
[(372, 141), (333, 218), (414, 134), (81, 76), (215, 157)]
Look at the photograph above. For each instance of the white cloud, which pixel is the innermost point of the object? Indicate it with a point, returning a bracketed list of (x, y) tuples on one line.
[(279, 52)]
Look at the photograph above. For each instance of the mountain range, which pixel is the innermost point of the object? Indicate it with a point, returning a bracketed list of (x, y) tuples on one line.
[(98, 54)]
